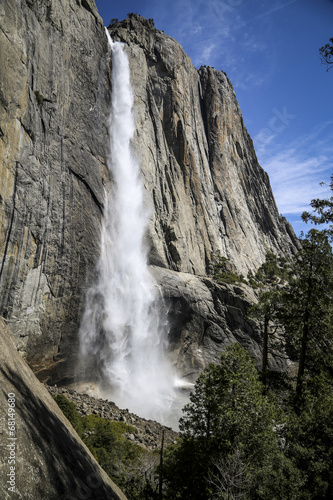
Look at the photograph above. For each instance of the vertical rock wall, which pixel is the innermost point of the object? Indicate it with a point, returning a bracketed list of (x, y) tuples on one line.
[(54, 96), (207, 191)]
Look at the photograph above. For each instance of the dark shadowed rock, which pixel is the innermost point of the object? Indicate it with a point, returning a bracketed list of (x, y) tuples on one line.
[(50, 460), (205, 317)]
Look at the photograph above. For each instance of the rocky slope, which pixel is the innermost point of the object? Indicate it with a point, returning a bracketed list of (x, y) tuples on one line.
[(148, 433), (41, 454), (205, 188)]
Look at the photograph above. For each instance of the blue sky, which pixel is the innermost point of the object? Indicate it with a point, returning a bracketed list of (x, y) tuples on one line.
[(270, 52)]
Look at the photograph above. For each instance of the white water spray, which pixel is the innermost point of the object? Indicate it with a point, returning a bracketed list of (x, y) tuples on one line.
[(124, 331)]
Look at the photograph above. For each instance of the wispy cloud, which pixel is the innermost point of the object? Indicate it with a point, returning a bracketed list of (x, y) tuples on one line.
[(250, 79), (274, 9), (204, 54), (297, 169), (224, 34)]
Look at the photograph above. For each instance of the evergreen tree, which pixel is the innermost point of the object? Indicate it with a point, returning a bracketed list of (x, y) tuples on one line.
[(309, 440), (229, 419), (308, 308), (323, 212), (326, 54), (267, 312)]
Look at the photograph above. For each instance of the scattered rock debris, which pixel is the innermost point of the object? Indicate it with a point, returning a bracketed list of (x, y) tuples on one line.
[(148, 433)]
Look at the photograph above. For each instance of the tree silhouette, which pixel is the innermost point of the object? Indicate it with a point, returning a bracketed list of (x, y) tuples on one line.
[(326, 54)]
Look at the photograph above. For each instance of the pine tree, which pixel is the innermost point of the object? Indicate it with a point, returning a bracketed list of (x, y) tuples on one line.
[(326, 54), (308, 308), (323, 212), (230, 422), (267, 312)]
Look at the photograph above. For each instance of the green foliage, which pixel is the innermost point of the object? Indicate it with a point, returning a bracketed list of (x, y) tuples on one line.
[(39, 97), (186, 465), (307, 316), (108, 444), (128, 464), (268, 306), (323, 213), (326, 54), (253, 282), (220, 393), (272, 271), (69, 410), (228, 412), (310, 440), (222, 272), (236, 440), (267, 312)]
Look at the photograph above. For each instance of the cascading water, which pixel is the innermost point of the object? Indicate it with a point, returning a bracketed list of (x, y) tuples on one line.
[(124, 329)]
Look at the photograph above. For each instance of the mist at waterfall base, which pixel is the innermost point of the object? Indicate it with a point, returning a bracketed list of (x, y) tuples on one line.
[(123, 334)]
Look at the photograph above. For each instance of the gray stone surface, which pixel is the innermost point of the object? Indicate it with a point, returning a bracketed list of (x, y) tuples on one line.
[(207, 193), (50, 461), (54, 94), (205, 317)]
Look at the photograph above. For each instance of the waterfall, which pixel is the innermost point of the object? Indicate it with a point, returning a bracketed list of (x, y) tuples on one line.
[(123, 334)]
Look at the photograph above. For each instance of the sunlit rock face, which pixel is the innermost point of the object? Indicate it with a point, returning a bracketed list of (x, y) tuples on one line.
[(54, 90), (207, 191), (203, 186)]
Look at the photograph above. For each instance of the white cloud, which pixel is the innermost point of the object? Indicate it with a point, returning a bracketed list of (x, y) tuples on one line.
[(274, 9), (205, 55), (297, 169)]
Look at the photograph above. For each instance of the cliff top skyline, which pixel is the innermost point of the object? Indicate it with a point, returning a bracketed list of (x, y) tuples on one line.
[(271, 55)]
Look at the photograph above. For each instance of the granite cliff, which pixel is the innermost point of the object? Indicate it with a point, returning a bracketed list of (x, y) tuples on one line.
[(54, 94), (207, 191), (204, 186)]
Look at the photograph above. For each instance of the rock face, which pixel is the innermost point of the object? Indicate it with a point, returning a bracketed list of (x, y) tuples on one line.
[(207, 191), (41, 454), (205, 188), (54, 95), (205, 317)]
